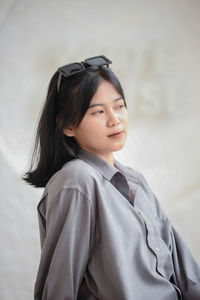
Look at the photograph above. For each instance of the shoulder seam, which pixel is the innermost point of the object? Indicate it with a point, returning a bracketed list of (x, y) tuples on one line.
[(69, 188)]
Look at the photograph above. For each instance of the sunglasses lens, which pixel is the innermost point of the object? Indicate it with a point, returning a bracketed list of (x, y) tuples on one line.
[(71, 69), (97, 61)]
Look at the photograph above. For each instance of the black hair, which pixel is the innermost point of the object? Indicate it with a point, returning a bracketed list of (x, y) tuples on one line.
[(61, 109)]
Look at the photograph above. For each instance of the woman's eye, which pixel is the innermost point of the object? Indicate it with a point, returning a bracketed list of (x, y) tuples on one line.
[(98, 112), (121, 106)]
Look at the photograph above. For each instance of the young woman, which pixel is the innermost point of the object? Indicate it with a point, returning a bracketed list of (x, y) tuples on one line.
[(103, 233)]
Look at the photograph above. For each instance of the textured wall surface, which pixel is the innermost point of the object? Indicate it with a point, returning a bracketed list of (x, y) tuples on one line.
[(155, 49)]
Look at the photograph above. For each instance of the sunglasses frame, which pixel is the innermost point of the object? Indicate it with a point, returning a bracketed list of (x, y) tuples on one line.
[(84, 65)]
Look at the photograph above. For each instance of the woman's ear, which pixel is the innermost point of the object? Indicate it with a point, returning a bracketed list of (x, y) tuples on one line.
[(68, 131)]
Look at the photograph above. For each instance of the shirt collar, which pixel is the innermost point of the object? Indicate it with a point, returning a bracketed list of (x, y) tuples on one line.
[(106, 169), (129, 173)]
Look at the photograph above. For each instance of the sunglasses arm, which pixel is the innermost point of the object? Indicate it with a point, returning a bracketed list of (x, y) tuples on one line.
[(59, 81)]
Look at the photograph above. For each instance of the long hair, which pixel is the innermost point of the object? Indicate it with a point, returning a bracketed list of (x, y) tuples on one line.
[(67, 107)]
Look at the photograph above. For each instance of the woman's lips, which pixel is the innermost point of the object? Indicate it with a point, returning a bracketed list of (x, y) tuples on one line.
[(116, 134)]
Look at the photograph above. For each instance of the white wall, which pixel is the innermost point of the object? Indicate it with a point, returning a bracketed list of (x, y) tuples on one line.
[(154, 46)]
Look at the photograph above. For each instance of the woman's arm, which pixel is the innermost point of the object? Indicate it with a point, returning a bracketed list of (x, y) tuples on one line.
[(186, 270), (67, 246)]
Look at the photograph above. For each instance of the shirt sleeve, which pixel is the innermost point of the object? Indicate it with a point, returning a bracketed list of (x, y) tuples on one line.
[(186, 269), (66, 247)]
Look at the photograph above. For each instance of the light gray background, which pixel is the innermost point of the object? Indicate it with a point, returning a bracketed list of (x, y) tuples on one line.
[(155, 49)]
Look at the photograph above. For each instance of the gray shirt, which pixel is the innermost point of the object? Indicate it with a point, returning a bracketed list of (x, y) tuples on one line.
[(104, 236)]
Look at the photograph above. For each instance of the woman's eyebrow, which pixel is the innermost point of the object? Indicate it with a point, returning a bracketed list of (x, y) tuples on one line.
[(101, 104)]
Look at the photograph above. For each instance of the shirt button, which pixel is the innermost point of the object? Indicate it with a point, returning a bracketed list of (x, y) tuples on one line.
[(157, 249)]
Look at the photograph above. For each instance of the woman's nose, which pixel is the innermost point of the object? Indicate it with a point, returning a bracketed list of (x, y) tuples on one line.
[(113, 119)]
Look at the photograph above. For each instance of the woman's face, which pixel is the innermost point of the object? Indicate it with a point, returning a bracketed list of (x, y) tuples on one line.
[(103, 129)]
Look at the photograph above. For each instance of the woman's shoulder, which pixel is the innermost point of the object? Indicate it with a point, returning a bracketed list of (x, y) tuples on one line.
[(75, 174)]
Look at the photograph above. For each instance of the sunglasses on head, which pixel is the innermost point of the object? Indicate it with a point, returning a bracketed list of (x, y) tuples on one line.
[(74, 68)]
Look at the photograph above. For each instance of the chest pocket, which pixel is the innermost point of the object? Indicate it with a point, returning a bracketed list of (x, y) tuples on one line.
[(158, 246), (158, 233)]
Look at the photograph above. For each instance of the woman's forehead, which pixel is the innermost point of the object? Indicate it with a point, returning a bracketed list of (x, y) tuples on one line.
[(104, 93)]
